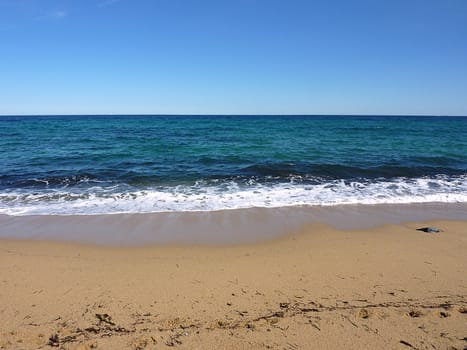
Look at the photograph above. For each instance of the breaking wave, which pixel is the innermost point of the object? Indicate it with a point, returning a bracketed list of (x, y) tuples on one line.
[(222, 194)]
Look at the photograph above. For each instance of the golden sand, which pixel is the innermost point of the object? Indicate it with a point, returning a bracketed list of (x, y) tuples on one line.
[(387, 288)]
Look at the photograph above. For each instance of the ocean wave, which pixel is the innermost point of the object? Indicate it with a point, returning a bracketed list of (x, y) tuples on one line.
[(140, 174), (219, 194)]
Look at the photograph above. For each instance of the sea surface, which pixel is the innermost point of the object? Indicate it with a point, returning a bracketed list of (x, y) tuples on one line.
[(141, 164)]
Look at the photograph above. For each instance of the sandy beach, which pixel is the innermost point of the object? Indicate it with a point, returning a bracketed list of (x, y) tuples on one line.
[(390, 287)]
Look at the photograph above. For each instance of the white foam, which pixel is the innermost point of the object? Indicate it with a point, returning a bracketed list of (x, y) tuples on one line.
[(231, 195)]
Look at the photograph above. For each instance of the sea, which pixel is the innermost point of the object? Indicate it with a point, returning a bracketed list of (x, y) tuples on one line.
[(87, 165)]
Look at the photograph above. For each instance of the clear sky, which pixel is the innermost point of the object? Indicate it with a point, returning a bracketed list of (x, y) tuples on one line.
[(233, 57)]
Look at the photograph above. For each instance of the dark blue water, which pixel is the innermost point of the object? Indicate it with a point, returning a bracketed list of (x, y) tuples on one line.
[(109, 164)]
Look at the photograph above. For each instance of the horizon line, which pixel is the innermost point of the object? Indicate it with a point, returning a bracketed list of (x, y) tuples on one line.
[(229, 115)]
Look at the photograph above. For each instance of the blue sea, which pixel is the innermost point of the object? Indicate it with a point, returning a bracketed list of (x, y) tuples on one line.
[(138, 164)]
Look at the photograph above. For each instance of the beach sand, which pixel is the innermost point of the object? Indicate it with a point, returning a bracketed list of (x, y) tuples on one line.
[(390, 287)]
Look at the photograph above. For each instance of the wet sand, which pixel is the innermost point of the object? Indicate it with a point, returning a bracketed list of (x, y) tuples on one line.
[(224, 227), (387, 287)]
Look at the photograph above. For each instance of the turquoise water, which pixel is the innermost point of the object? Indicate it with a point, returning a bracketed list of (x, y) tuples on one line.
[(114, 164)]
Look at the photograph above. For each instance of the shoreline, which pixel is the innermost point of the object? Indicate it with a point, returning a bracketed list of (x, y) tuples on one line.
[(319, 287), (225, 227)]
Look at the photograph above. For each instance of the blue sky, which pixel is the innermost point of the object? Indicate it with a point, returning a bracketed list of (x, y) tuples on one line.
[(233, 57)]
